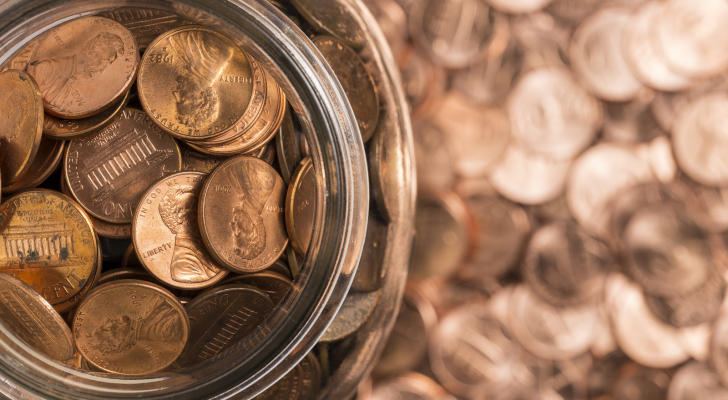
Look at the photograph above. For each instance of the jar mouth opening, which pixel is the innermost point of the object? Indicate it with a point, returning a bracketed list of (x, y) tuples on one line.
[(341, 206)]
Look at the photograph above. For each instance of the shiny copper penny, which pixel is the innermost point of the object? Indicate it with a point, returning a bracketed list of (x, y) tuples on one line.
[(35, 321), (166, 235), (354, 311), (221, 318), (109, 171), (145, 25), (21, 58), (301, 206), (84, 66), (67, 129), (356, 81), (47, 159), (131, 327), (195, 83), (275, 285), (333, 18), (193, 160), (48, 242), (241, 214), (21, 125)]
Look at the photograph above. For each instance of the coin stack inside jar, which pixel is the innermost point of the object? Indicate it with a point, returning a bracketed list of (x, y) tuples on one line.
[(571, 230), (174, 159)]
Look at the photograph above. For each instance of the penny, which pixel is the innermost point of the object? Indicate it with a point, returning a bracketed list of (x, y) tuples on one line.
[(551, 115), (311, 377), (549, 332), (699, 139), (273, 284), (646, 384), (193, 160), (410, 386), (220, 319), (480, 135), (130, 259), (74, 60), (385, 168), (33, 319), (354, 311), (643, 54), (693, 308), (21, 58), (518, 6), (288, 143), (241, 214), (501, 230), (145, 25), (72, 303), (599, 175), (423, 83), (281, 267), (131, 328), (529, 178), (469, 348), (443, 235), (667, 252), (109, 171), (294, 263), (196, 84), (288, 387), (67, 129), (371, 272), (566, 266), (45, 162), (696, 380), (407, 344), (333, 18), (690, 48), (433, 145), (21, 126), (355, 80), (301, 206), (139, 274), (166, 235), (48, 243), (453, 33)]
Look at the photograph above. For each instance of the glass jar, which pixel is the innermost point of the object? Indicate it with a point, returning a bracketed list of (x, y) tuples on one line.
[(342, 204)]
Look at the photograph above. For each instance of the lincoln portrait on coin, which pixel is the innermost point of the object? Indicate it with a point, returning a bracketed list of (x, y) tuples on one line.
[(178, 210), (57, 76), (204, 57), (159, 322), (254, 187)]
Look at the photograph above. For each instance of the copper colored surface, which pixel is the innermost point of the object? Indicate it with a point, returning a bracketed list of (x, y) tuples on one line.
[(300, 206), (45, 162), (275, 285), (67, 129), (145, 25)]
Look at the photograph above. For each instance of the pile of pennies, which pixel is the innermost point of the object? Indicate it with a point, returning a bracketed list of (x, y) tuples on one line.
[(159, 148), (572, 218)]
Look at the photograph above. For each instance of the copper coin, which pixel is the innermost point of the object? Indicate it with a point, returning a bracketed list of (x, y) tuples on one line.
[(166, 235), (287, 388), (67, 129), (241, 213), (333, 18), (281, 267), (130, 259), (354, 311), (116, 274), (72, 303), (21, 126), (288, 145), (35, 321), (21, 58), (109, 171), (275, 285), (195, 83), (355, 80), (45, 162), (301, 206), (145, 25), (48, 243), (371, 271), (84, 66), (384, 168), (312, 376), (131, 327), (193, 160), (698, 306), (220, 319)]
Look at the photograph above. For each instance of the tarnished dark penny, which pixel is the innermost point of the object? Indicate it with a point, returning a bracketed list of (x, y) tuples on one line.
[(21, 125), (221, 318), (355, 80), (192, 160), (695, 307), (333, 18), (47, 159), (354, 311), (35, 321), (288, 145), (301, 206), (196, 84), (67, 129), (166, 235), (109, 171), (131, 327), (371, 272), (48, 243), (145, 25), (275, 285), (84, 66), (241, 214), (21, 58)]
